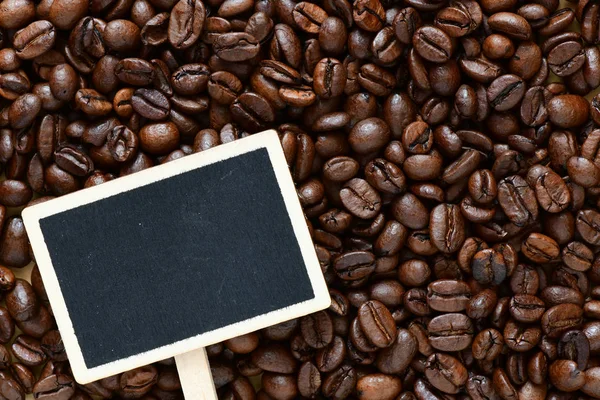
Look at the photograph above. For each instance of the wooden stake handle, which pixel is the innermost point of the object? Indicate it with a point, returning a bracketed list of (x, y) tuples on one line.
[(195, 376)]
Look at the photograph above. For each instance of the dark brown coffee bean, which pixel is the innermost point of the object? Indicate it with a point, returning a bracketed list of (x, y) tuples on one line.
[(488, 266), (517, 200), (540, 248), (14, 250), (447, 295), (185, 23), (520, 337), (159, 138), (13, 85), (378, 385), (446, 227), (566, 58), (360, 198), (450, 332), (28, 351), (34, 40), (377, 323), (554, 295), (135, 71), (317, 329), (329, 78), (369, 15), (561, 318), (11, 389), (354, 265), (505, 92), (274, 358), (309, 16), (122, 143), (150, 103), (446, 373), (588, 225), (568, 111), (92, 103), (190, 79), (339, 383), (574, 345), (551, 191), (236, 46), (512, 25), (433, 44), (23, 111), (526, 308), (309, 380), (487, 345), (397, 357)]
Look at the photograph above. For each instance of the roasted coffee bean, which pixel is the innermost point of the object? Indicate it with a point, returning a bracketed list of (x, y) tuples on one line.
[(369, 15), (482, 304), (446, 373), (450, 332), (526, 308), (92, 103), (360, 199), (134, 71), (561, 318), (568, 111), (446, 227), (565, 375), (551, 192), (329, 78), (28, 351), (540, 248), (378, 386), (517, 200), (488, 266), (521, 338), (446, 295), (354, 265), (159, 138), (574, 345), (150, 103), (317, 329), (122, 143), (487, 345), (433, 44), (397, 357), (34, 40), (377, 323), (566, 58), (274, 358), (369, 135), (190, 79), (11, 389), (510, 24), (252, 111), (505, 92), (309, 380), (236, 46), (339, 383), (14, 250), (185, 23)]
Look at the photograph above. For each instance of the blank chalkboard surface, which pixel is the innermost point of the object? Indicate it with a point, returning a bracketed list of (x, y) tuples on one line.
[(176, 257)]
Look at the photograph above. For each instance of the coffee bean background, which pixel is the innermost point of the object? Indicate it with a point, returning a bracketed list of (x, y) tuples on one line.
[(445, 153)]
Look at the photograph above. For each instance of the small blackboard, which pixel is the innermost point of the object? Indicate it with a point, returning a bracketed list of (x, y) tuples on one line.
[(176, 257)]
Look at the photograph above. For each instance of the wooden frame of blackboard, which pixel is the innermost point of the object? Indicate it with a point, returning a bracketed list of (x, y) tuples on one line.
[(268, 140)]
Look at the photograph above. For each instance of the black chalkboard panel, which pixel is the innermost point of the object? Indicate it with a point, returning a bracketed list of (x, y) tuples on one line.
[(173, 259)]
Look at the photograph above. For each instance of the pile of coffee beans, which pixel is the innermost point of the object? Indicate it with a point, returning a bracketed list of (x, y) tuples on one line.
[(444, 153)]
